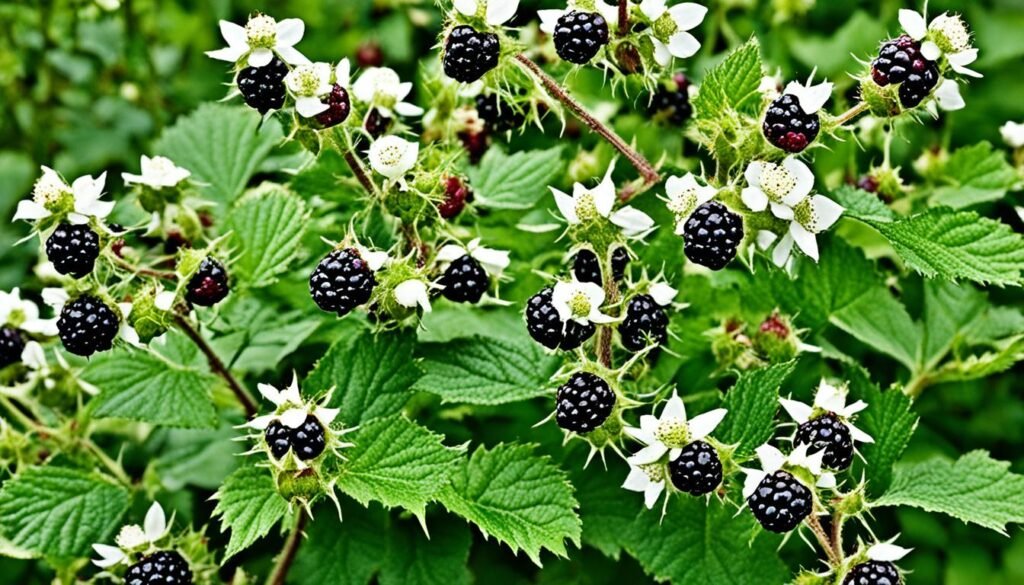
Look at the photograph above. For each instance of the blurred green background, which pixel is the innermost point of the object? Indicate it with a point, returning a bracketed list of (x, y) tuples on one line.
[(88, 86)]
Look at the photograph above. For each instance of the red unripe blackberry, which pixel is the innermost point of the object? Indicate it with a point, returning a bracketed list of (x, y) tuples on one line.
[(547, 328), (583, 403), (897, 59), (369, 54), (160, 568), (341, 282), (87, 325), (469, 54), (830, 434), (73, 249), (873, 573), (788, 126), (263, 88), (780, 502), (580, 35), (338, 107), (697, 470), (209, 285), (455, 194)]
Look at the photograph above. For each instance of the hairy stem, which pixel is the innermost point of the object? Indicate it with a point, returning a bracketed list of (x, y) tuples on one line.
[(611, 296), (360, 172), (623, 18), (850, 114), (122, 263), (217, 366), (112, 466), (823, 539), (837, 533), (646, 170), (287, 556)]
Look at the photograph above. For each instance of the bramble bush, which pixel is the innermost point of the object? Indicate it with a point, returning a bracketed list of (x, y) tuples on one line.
[(585, 293)]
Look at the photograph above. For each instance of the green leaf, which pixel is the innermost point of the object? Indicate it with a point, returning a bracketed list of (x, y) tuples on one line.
[(258, 334), (485, 370), (372, 374), (517, 497), (732, 84), (346, 554), (222, 145), (606, 515), (974, 488), (704, 541), (60, 512), (890, 422), (398, 463), (949, 308), (144, 386), (974, 174), (980, 366), (830, 52), (752, 403), (248, 504), (514, 181), (879, 320), (860, 204), (415, 559), (268, 226), (201, 458)]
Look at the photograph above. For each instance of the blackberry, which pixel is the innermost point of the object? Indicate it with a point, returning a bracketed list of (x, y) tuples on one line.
[(548, 329), (262, 88), (697, 470), (788, 126), (919, 85), (165, 567), (308, 440), (897, 59), (376, 124), (673, 104), (209, 285), (87, 325), (586, 267), (455, 195), (498, 115), (278, 438), (645, 322), (73, 249), (338, 107), (11, 346), (831, 434), (711, 234), (583, 403), (873, 573), (465, 280), (580, 35), (341, 282), (780, 502), (469, 54)]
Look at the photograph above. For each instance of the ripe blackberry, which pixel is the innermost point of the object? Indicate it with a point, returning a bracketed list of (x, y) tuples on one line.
[(583, 403), (376, 124), (469, 54), (548, 329), (580, 35), (341, 282), (262, 88), (278, 438), (166, 567), (831, 434), (11, 346), (87, 325), (697, 470), (209, 285), (780, 502), (711, 234), (465, 280), (73, 249), (338, 107), (586, 267), (498, 115), (645, 322), (673, 104), (897, 58), (873, 573), (788, 126), (455, 195), (919, 85), (308, 441)]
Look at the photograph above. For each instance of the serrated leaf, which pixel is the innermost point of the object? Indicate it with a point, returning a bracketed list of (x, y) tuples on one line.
[(346, 554), (201, 458), (258, 334), (519, 498), (222, 146), (514, 181), (882, 322), (890, 422), (413, 558), (60, 512), (732, 84), (752, 403), (248, 504), (372, 374), (267, 226), (144, 386), (972, 175), (860, 204), (980, 366), (975, 488), (949, 308), (486, 370), (398, 463)]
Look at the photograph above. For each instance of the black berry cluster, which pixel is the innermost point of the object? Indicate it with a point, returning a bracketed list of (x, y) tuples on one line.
[(780, 502), (376, 124), (307, 440), (87, 325), (900, 61), (547, 328), (645, 322), (469, 54), (583, 403), (11, 346), (873, 573), (209, 285), (711, 234), (341, 282), (587, 268), (160, 568), (673, 103), (580, 35), (830, 434), (498, 115), (697, 470), (788, 126), (339, 106), (465, 280), (262, 88), (73, 249)]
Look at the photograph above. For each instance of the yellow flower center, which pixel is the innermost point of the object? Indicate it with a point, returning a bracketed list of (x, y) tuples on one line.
[(50, 191), (952, 34), (776, 181), (654, 471), (672, 433), (261, 32), (579, 304), (586, 209), (306, 80)]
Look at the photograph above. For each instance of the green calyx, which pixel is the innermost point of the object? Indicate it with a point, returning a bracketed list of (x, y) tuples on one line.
[(304, 485), (883, 102), (148, 320), (383, 300)]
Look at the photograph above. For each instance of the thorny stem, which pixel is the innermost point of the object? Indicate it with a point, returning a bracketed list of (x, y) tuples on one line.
[(850, 114), (112, 466), (243, 396), (647, 171), (163, 274), (823, 539), (611, 295), (291, 547), (837, 533), (623, 18), (360, 172)]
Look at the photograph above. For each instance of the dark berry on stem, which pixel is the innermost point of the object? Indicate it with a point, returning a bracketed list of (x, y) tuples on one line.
[(580, 35), (376, 124), (469, 54), (583, 403), (645, 322), (674, 104), (278, 438), (780, 502), (788, 126), (160, 568), (308, 440), (341, 282), (711, 234), (338, 107), (831, 434), (11, 346), (209, 285), (919, 85), (475, 144), (73, 249), (498, 115), (873, 573), (455, 195), (547, 328), (262, 88), (87, 325), (697, 470), (465, 280), (897, 59), (586, 267)]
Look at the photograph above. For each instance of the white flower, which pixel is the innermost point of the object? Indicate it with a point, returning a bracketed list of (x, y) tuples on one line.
[(24, 314), (586, 205), (496, 12), (1013, 134), (308, 84), (261, 37), (549, 18), (887, 552), (393, 157), (828, 398), (157, 172), (669, 31), (493, 261), (413, 293), (291, 409), (662, 293), (382, 89), (773, 460), (811, 97), (780, 186), (685, 195), (670, 432), (51, 192), (579, 301), (811, 217), (949, 36), (647, 478), (948, 96), (133, 536), (375, 260)]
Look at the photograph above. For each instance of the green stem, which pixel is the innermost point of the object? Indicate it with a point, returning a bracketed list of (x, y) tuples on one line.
[(217, 366), (850, 114), (18, 415), (112, 466), (823, 539), (611, 296)]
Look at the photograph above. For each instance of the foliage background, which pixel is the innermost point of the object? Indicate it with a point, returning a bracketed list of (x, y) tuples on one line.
[(85, 90)]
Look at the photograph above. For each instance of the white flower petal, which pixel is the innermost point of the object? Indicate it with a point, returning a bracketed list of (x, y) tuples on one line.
[(824, 213), (913, 23), (771, 458), (604, 193), (641, 435), (109, 555), (450, 253), (674, 409), (797, 410), (805, 240), (260, 57), (289, 32), (688, 15), (55, 297), (466, 7), (408, 110), (652, 493), (754, 198), (566, 206), (753, 479), (29, 210), (683, 45), (765, 239), (501, 11), (293, 417), (661, 53), (292, 56), (662, 293), (812, 98), (858, 435), (413, 293), (827, 480), (233, 34), (830, 397), (326, 415), (887, 552), (155, 524), (549, 19), (494, 261), (781, 211), (649, 454), (959, 62), (343, 72), (271, 393), (230, 54), (637, 480), (948, 96), (783, 251), (261, 423), (704, 424), (653, 9), (633, 222), (804, 180), (33, 355), (930, 51)]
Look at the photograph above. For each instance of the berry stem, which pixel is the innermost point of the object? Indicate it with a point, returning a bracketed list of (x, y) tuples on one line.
[(287, 556), (611, 295), (348, 152), (623, 18), (647, 171), (112, 466), (850, 114), (151, 272), (837, 533), (218, 367), (823, 539)]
